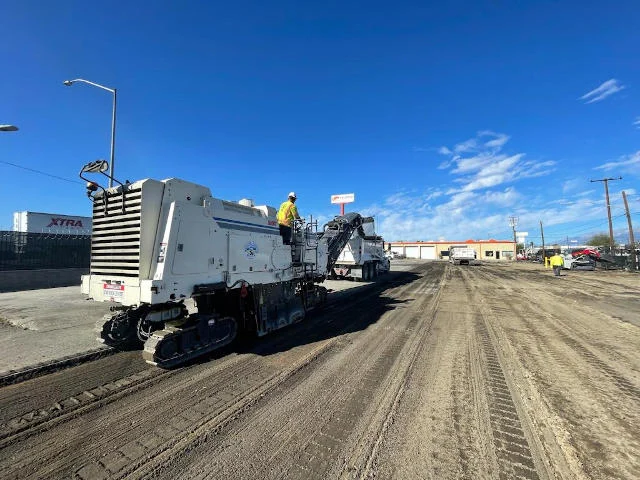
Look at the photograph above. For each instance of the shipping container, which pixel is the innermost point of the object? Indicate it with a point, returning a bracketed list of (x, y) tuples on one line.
[(38, 222)]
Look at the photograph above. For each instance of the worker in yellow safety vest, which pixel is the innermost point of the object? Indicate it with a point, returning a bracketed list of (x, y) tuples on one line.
[(286, 215), (557, 262)]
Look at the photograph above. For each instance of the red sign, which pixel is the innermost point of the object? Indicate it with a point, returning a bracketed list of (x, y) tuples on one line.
[(343, 198)]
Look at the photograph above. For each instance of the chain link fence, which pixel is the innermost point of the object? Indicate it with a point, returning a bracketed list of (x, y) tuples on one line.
[(32, 251)]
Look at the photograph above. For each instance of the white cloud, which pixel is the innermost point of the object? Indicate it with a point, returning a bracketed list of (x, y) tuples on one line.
[(629, 164), (605, 90), (636, 122), (571, 185), (486, 166), (466, 146), (480, 195), (487, 181), (498, 140), (507, 198), (465, 165)]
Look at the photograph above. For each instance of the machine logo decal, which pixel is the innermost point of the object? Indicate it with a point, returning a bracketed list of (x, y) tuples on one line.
[(250, 249)]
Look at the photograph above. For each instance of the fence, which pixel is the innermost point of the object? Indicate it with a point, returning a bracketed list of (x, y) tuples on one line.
[(619, 257), (32, 251)]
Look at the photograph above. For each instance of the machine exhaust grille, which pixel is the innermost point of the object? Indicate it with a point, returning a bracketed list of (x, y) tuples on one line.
[(115, 243)]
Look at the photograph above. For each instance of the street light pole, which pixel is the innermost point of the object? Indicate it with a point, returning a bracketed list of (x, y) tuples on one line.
[(113, 139), (113, 120)]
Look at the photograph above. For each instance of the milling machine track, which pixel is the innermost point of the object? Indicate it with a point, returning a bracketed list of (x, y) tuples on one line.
[(173, 346)]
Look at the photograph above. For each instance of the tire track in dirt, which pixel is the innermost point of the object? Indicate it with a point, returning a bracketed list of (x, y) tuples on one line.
[(512, 446), (227, 398), (331, 395), (429, 293), (27, 373), (37, 393), (443, 428), (627, 388), (576, 336), (555, 350), (32, 422)]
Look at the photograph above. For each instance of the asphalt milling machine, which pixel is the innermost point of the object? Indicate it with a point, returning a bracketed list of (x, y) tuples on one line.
[(156, 243)]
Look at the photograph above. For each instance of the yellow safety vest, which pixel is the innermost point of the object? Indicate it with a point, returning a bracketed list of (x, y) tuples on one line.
[(557, 261), (287, 213)]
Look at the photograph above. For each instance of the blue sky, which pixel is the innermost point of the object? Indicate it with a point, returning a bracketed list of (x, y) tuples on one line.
[(444, 118)]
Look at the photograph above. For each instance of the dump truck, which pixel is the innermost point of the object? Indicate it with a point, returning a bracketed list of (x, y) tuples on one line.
[(363, 257), (461, 255)]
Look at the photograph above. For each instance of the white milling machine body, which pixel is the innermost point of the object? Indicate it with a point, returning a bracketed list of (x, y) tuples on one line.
[(362, 258), (156, 243)]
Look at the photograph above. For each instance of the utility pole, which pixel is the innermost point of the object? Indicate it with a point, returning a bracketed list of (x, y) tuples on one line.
[(513, 223), (544, 254), (606, 193), (631, 239)]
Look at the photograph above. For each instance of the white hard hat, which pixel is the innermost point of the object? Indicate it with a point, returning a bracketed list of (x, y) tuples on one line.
[(292, 194)]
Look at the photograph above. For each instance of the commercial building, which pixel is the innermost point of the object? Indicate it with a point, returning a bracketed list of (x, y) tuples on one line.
[(499, 250)]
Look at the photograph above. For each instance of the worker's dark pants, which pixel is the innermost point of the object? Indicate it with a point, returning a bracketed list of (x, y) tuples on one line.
[(285, 233), (557, 269)]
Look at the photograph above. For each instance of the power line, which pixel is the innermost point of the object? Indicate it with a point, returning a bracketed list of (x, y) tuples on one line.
[(41, 172)]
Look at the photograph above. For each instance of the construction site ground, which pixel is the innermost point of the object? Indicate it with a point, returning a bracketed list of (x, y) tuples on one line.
[(499, 370), (47, 325)]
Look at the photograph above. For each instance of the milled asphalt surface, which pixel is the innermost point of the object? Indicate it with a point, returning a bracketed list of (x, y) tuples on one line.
[(493, 371), (44, 325)]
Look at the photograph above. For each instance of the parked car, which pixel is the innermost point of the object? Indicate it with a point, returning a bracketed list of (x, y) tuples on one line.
[(583, 262), (585, 251)]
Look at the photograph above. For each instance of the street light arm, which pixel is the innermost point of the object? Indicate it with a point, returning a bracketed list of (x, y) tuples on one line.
[(113, 121), (71, 82)]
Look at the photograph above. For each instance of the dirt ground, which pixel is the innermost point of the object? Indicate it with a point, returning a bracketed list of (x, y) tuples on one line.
[(438, 371)]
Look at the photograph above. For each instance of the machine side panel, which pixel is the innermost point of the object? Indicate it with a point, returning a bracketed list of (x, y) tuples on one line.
[(152, 196)]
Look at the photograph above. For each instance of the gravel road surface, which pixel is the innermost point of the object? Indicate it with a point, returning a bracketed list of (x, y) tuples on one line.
[(437, 371)]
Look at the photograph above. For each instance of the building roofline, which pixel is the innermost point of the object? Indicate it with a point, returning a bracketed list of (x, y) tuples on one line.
[(453, 242)]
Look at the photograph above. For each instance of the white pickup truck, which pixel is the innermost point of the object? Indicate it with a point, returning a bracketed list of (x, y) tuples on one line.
[(461, 255)]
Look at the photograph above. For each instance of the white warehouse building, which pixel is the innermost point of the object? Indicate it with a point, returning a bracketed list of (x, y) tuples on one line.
[(485, 249)]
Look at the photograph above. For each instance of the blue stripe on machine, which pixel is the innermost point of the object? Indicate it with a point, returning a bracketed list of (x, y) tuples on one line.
[(245, 226)]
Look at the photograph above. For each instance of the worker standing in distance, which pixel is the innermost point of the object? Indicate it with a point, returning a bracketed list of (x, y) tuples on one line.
[(286, 215), (557, 262)]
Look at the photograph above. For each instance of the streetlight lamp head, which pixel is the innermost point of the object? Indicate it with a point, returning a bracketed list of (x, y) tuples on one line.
[(8, 128), (68, 83)]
